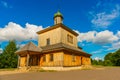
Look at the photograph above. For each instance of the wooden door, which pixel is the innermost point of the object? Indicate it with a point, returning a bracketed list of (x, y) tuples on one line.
[(22, 61)]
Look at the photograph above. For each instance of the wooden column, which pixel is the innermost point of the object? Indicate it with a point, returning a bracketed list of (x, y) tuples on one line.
[(27, 64), (18, 65)]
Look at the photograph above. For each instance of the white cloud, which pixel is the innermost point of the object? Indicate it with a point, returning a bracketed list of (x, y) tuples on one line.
[(118, 34), (17, 32), (114, 46), (20, 45), (102, 37), (97, 58), (89, 36), (104, 19), (5, 4), (98, 51)]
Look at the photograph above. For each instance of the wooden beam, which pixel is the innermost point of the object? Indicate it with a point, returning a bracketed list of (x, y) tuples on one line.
[(18, 65), (27, 64)]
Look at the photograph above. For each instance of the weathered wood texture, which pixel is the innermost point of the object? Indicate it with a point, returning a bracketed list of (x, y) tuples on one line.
[(86, 60), (23, 61), (58, 35), (68, 60), (57, 59), (53, 35), (64, 34)]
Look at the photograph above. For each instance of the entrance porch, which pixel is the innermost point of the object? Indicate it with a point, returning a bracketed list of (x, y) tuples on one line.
[(29, 55)]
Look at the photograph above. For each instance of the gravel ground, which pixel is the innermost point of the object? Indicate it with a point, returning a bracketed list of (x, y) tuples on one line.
[(98, 74)]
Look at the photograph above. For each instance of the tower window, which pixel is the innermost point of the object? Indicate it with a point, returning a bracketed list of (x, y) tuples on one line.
[(70, 38), (48, 41)]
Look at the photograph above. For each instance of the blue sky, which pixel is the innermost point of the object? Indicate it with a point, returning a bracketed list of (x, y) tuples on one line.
[(96, 21)]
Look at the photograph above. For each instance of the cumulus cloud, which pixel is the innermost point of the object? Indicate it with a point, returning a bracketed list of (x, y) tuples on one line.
[(14, 31), (105, 19), (97, 58), (89, 36), (118, 34), (102, 37), (114, 46)]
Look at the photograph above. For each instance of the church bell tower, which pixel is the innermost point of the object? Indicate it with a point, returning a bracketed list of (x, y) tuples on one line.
[(58, 18)]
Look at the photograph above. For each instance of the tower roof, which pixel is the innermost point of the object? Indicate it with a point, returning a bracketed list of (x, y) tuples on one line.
[(58, 14)]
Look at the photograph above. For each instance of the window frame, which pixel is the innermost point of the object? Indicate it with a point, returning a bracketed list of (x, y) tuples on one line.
[(70, 38), (51, 57), (48, 41)]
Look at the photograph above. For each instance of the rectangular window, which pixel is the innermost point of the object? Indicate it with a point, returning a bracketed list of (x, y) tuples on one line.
[(70, 38), (48, 41), (44, 58), (73, 58), (51, 57)]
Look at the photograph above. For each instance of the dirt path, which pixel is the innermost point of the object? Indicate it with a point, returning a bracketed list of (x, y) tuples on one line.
[(102, 74)]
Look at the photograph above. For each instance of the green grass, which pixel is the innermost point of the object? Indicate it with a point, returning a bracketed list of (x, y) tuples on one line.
[(99, 66), (46, 71), (8, 69)]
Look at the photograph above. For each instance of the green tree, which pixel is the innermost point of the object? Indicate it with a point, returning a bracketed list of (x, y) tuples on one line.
[(117, 58), (8, 59), (108, 63), (97, 62), (109, 59), (112, 59)]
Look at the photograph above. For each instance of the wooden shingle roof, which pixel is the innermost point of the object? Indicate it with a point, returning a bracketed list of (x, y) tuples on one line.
[(29, 47), (62, 46), (49, 48)]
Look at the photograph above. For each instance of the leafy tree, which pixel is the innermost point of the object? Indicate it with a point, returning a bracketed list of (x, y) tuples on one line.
[(97, 62), (112, 59), (108, 63), (8, 59), (117, 58), (109, 59)]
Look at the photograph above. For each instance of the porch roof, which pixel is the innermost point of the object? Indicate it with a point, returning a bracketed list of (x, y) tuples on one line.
[(29, 47)]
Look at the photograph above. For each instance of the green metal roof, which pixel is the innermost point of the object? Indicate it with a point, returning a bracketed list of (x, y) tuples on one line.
[(58, 14)]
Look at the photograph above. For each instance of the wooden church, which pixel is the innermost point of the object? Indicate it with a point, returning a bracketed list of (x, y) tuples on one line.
[(57, 47)]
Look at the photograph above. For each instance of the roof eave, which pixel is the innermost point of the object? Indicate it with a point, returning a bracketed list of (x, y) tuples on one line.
[(56, 26)]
